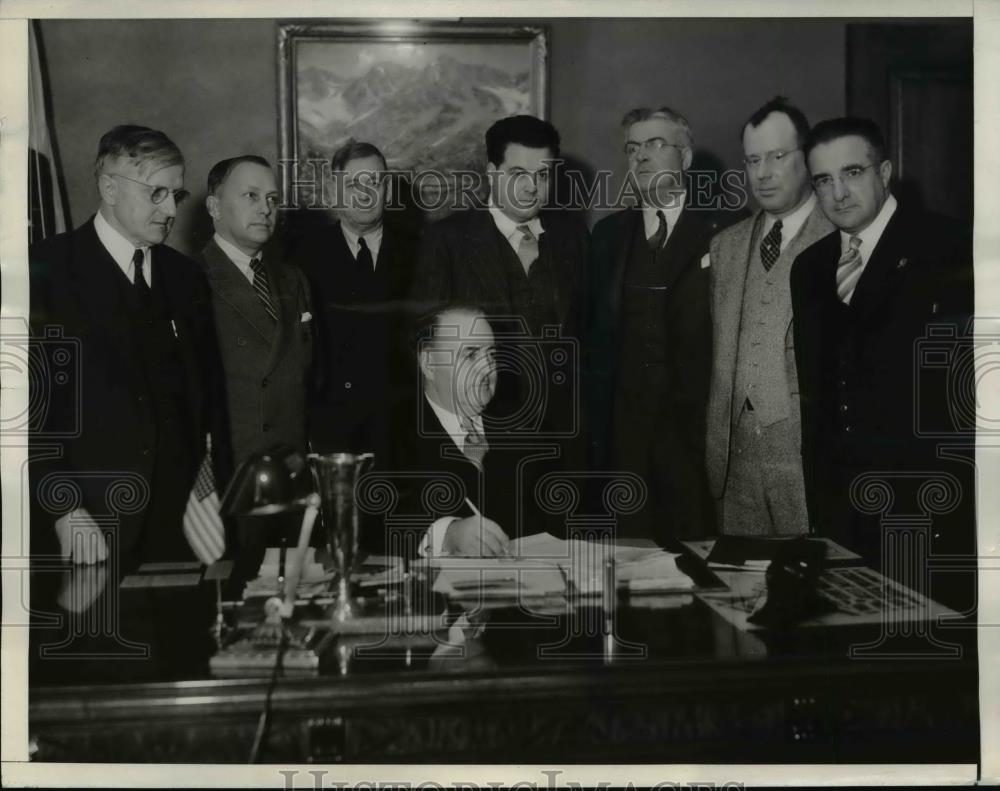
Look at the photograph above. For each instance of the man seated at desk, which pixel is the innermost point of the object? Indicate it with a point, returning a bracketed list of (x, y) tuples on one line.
[(455, 474)]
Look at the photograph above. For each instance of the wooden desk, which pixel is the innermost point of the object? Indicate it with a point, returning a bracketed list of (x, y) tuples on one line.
[(698, 690)]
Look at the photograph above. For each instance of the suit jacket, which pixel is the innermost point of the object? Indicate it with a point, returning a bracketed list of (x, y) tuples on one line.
[(689, 332), (363, 364), (730, 255), (460, 260), (99, 418), (868, 396), (432, 478), (266, 365)]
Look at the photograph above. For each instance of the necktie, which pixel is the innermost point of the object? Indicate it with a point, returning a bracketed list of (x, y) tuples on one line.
[(849, 271), (527, 250), (475, 445), (656, 241), (260, 285), (364, 255), (140, 284), (770, 246)]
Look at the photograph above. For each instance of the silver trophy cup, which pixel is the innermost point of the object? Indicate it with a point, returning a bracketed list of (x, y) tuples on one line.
[(337, 477)]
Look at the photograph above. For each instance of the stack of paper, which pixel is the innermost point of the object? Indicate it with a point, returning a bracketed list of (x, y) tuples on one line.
[(313, 582), (497, 579), (586, 564)]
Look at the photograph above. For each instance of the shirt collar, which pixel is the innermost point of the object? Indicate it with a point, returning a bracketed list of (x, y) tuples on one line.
[(869, 236), (509, 228), (373, 239), (791, 224), (237, 256), (670, 214), (451, 423), (121, 249)]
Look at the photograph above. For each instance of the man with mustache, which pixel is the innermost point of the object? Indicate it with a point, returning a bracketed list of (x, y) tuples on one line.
[(146, 392)]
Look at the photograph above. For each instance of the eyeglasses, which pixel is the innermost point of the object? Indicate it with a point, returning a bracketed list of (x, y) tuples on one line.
[(158, 194), (771, 158), (633, 147), (848, 177)]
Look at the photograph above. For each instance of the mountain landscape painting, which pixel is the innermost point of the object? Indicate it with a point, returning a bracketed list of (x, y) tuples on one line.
[(425, 103)]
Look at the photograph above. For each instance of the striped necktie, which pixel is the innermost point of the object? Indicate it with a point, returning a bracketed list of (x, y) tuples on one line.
[(260, 285), (475, 445), (849, 269)]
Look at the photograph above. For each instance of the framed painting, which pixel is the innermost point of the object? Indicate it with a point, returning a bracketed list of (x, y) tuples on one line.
[(424, 93)]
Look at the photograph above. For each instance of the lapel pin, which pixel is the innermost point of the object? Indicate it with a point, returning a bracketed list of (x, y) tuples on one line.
[(934, 307), (902, 262)]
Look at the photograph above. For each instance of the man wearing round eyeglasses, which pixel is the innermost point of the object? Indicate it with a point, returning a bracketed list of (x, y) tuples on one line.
[(867, 298), (753, 453), (649, 333), (132, 389)]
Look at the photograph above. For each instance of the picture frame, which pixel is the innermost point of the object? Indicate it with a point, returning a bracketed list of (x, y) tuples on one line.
[(423, 92)]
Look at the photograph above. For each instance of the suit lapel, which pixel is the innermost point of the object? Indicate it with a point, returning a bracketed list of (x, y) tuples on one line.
[(631, 224), (285, 299), (178, 298), (734, 277), (485, 256), (231, 286), (813, 229), (680, 250), (562, 267), (101, 284), (883, 269)]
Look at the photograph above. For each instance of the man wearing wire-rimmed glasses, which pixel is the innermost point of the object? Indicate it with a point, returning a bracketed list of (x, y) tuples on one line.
[(649, 335), (867, 298), (753, 435), (144, 393)]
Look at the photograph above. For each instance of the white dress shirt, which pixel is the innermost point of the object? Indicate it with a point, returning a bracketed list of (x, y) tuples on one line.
[(869, 236), (509, 228), (237, 256), (791, 224), (671, 214), (122, 250), (433, 540), (373, 239)]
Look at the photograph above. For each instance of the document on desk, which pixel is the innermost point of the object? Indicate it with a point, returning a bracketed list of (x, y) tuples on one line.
[(497, 578), (636, 569)]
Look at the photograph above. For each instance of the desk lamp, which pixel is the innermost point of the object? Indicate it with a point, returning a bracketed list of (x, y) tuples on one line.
[(276, 481)]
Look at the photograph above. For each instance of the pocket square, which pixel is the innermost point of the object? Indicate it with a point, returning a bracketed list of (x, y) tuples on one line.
[(307, 316), (706, 260)]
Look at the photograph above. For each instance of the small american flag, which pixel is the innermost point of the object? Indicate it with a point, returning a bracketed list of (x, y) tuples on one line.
[(202, 525)]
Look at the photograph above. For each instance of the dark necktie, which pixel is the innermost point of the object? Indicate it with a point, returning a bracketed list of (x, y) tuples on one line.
[(365, 260), (140, 284), (263, 289), (656, 241), (770, 246)]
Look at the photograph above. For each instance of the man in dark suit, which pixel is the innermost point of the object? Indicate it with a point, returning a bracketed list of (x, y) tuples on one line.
[(866, 298), (359, 273), (262, 310), (147, 391), (453, 473), (650, 335), (523, 264)]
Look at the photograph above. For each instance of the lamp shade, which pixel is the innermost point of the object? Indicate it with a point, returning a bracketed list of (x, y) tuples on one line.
[(272, 482)]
